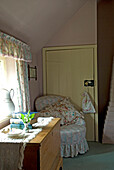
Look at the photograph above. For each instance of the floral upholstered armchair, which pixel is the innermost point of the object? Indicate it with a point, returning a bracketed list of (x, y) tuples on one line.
[(72, 130)]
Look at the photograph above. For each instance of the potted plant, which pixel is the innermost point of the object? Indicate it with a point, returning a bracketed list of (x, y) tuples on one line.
[(26, 119)]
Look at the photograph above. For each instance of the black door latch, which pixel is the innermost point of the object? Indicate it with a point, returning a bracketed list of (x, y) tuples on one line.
[(89, 83)]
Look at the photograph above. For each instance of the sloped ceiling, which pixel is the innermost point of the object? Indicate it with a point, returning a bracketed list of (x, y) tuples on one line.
[(36, 21)]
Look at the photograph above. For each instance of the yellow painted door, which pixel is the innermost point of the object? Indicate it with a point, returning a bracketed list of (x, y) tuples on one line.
[(66, 70)]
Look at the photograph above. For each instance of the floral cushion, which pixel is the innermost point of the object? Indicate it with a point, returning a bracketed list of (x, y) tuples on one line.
[(44, 101), (63, 109)]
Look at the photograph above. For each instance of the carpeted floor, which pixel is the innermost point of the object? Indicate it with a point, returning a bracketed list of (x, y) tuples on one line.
[(99, 157)]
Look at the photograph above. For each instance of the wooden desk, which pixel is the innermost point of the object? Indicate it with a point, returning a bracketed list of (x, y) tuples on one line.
[(43, 152)]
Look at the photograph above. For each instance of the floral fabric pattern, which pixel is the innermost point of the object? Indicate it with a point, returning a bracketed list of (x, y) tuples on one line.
[(87, 105), (22, 86), (44, 101), (10, 46), (73, 131), (64, 110), (73, 141)]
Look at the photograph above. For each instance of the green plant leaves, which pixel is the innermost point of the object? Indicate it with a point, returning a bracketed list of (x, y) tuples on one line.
[(32, 115), (22, 117), (27, 117)]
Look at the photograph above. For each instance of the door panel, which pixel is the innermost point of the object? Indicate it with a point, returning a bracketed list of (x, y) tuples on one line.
[(66, 70)]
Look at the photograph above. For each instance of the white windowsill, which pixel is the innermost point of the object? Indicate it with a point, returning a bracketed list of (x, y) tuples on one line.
[(4, 122)]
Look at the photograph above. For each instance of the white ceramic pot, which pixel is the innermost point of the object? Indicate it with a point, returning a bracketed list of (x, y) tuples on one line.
[(6, 103)]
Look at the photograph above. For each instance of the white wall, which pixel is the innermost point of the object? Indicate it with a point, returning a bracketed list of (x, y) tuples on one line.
[(80, 29)]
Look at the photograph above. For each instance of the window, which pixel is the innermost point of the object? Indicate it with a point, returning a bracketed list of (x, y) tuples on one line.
[(7, 81), (13, 70), (2, 80), (2, 72)]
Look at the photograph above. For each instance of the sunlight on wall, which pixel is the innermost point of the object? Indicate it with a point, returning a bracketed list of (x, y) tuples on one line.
[(2, 73)]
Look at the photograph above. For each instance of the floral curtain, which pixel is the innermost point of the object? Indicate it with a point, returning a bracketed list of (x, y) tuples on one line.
[(11, 47), (23, 97)]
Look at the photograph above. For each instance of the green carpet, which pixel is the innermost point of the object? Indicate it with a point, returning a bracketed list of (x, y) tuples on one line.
[(99, 157)]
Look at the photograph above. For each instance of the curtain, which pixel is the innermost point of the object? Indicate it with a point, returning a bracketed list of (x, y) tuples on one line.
[(11, 47), (22, 86)]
